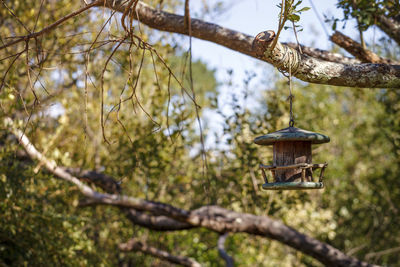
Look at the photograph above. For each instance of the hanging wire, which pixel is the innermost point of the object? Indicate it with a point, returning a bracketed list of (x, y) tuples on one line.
[(290, 98)]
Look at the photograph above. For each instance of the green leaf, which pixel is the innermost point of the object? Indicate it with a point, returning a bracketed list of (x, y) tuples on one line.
[(294, 17), (304, 9)]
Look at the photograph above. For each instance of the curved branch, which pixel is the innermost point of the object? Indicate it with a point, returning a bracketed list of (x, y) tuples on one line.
[(214, 218), (357, 50), (104, 181), (135, 245), (109, 185), (158, 223), (311, 69)]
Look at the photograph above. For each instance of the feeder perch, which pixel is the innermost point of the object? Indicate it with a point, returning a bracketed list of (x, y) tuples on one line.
[(292, 167)]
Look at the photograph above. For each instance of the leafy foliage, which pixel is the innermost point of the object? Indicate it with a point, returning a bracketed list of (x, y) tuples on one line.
[(155, 150)]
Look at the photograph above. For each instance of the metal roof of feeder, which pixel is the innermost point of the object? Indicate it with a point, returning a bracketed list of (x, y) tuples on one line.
[(291, 134)]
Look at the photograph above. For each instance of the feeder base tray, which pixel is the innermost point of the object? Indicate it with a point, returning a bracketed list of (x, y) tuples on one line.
[(293, 185)]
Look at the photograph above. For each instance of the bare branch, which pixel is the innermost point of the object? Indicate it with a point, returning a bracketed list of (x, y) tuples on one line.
[(313, 70), (104, 181), (310, 69), (221, 250), (390, 26), (357, 50), (214, 218), (108, 184), (135, 245), (324, 55), (382, 253), (158, 223), (332, 70)]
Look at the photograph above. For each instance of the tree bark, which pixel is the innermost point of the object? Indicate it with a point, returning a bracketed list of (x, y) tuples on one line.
[(314, 70), (324, 55), (357, 50)]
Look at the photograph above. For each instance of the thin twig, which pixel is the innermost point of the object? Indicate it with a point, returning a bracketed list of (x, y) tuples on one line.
[(51, 26)]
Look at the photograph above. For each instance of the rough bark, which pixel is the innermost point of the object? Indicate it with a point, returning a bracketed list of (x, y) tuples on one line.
[(310, 69), (356, 49), (324, 55), (135, 245), (158, 223), (214, 218), (103, 181)]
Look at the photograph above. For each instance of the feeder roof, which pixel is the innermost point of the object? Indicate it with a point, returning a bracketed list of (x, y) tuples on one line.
[(291, 134)]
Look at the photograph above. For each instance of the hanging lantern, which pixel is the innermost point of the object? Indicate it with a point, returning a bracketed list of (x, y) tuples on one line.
[(292, 161)]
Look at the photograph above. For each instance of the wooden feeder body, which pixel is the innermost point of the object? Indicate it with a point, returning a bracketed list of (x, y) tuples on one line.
[(292, 161), (289, 153)]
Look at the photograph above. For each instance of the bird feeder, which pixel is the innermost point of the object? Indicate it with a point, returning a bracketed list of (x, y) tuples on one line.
[(292, 166)]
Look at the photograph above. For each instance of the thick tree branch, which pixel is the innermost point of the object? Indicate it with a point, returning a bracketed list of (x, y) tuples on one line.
[(135, 245), (324, 55), (109, 185), (357, 50), (104, 181), (310, 69), (213, 218), (390, 26), (222, 252), (314, 70), (332, 70), (158, 223)]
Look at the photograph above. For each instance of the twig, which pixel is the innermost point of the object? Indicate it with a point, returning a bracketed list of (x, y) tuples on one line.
[(381, 253), (135, 245), (50, 27)]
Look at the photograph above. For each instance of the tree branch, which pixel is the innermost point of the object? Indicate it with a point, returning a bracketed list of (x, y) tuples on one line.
[(104, 181), (221, 250), (314, 70), (324, 55), (390, 26), (109, 185), (214, 218), (357, 50), (135, 245), (310, 69), (158, 223)]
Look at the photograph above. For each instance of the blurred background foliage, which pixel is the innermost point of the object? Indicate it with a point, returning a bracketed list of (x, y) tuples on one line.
[(155, 151)]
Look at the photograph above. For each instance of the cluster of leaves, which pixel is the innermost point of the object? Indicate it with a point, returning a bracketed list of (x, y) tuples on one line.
[(292, 11), (365, 11)]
